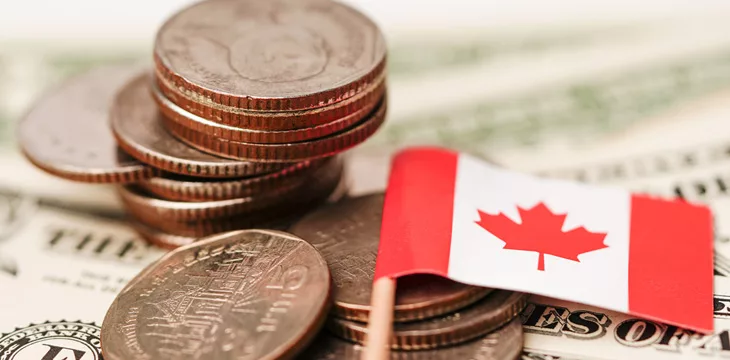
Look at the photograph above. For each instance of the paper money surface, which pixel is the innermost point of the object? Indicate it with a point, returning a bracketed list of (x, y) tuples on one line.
[(570, 330), (59, 271), (50, 321), (41, 244)]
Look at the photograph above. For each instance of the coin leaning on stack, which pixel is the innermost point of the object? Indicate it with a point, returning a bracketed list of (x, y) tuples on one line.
[(238, 125)]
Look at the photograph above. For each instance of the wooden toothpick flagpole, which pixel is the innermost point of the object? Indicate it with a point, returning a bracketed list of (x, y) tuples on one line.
[(380, 320)]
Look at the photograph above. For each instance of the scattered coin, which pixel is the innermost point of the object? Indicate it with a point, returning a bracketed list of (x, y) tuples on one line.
[(246, 294), (278, 153), (67, 132), (347, 235), (138, 129), (269, 127), (483, 317), (185, 188), (502, 344), (269, 55)]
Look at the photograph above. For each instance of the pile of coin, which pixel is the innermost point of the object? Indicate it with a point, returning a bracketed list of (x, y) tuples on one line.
[(239, 123), (264, 294), (434, 317)]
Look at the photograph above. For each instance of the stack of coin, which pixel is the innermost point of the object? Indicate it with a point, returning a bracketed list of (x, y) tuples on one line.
[(270, 81), (239, 123), (431, 313)]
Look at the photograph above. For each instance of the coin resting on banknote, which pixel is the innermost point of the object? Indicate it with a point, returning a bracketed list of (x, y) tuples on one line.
[(240, 125)]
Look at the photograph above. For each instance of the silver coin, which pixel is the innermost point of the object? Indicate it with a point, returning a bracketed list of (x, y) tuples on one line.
[(67, 132)]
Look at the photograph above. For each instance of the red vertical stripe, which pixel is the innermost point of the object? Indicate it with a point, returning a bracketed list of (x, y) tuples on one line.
[(419, 207), (671, 262)]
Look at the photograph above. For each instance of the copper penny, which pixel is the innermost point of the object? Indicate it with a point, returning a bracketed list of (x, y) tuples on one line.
[(67, 132), (502, 344), (275, 153), (253, 294), (483, 317), (159, 212), (136, 124), (185, 188), (347, 233), (269, 55), (267, 127)]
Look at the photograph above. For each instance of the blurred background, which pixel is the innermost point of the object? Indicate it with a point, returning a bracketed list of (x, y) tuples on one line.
[(603, 91)]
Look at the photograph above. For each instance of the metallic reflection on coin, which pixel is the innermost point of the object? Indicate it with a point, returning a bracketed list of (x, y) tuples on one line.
[(184, 188), (251, 294), (347, 234), (277, 153), (269, 127), (67, 132), (269, 55), (495, 310), (137, 126), (150, 209), (502, 344)]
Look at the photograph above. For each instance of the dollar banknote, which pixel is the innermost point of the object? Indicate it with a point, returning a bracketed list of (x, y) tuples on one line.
[(46, 244), (48, 321), (569, 330), (60, 268)]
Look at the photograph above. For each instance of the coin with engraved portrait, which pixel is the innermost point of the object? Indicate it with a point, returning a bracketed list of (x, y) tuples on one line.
[(249, 294), (502, 344), (347, 235), (483, 317), (67, 132), (269, 55)]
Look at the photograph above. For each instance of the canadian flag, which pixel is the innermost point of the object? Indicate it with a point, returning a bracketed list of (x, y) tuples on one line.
[(454, 215)]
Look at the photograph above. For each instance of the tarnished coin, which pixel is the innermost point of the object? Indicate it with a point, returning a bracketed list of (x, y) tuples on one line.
[(277, 153), (347, 234), (67, 132), (253, 294), (269, 55), (502, 344), (158, 212), (490, 313), (137, 127), (183, 188), (268, 127)]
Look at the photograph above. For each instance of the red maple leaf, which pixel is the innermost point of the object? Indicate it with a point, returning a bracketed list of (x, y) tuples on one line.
[(541, 231)]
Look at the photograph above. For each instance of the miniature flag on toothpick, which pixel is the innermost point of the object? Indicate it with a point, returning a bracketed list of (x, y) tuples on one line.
[(454, 215)]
